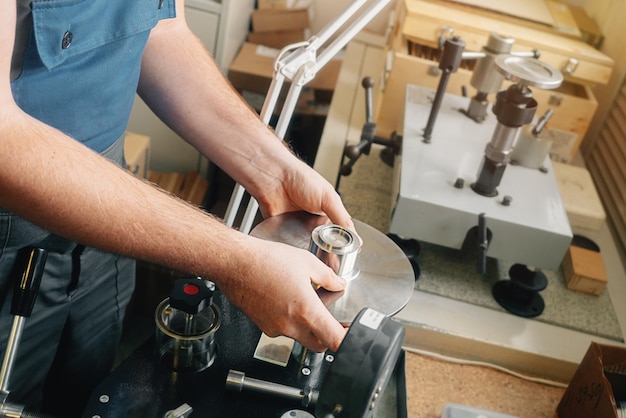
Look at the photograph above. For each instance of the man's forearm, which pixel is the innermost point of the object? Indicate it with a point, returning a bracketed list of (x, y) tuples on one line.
[(185, 88), (64, 187)]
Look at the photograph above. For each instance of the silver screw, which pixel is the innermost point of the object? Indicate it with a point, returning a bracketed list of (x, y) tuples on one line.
[(104, 398), (306, 371), (330, 358)]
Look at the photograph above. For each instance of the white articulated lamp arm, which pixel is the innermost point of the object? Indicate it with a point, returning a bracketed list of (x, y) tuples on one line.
[(299, 63)]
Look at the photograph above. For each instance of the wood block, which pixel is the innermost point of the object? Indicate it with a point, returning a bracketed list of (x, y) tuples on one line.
[(154, 176), (584, 270), (194, 188), (171, 182)]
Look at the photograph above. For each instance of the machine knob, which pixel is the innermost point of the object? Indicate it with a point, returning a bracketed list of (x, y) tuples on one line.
[(190, 295)]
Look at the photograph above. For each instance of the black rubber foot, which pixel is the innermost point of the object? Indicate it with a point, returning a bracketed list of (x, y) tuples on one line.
[(411, 248), (520, 295)]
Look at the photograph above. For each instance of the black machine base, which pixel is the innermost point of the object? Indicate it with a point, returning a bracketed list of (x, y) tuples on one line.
[(141, 387)]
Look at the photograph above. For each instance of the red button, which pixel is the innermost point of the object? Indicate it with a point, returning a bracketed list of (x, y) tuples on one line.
[(191, 289)]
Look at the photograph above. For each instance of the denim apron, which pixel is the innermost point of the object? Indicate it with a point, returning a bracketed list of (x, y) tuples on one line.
[(79, 64)]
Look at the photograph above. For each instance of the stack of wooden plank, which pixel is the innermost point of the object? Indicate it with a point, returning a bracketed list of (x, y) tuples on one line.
[(191, 187)]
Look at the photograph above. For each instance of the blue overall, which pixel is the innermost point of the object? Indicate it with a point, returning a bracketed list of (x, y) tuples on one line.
[(76, 68)]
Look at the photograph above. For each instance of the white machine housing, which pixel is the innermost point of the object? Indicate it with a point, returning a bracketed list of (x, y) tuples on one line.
[(533, 229)]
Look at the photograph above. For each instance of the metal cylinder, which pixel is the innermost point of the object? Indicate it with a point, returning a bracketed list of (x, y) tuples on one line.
[(531, 151), (502, 142), (485, 77), (239, 382), (337, 247)]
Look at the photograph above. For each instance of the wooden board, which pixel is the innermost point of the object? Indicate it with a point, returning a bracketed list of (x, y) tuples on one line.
[(191, 187), (564, 20), (533, 10), (424, 21)]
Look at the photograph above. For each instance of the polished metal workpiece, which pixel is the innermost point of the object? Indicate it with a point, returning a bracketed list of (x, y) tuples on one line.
[(337, 247), (384, 278), (485, 79)]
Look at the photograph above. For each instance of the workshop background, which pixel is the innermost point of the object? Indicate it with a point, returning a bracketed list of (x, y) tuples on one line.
[(245, 36)]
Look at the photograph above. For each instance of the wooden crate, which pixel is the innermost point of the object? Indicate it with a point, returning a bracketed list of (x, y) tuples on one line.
[(413, 60), (424, 22)]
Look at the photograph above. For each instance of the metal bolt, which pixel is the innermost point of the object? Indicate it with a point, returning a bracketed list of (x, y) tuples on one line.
[(104, 398), (306, 371), (459, 183), (330, 358), (506, 200)]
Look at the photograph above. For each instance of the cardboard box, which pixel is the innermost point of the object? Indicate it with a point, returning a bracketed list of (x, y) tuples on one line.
[(598, 384), (278, 39), (583, 270), (275, 4), (253, 69), (137, 154), (297, 17)]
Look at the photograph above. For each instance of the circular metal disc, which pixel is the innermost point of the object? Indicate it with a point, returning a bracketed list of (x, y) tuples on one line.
[(530, 71), (383, 279)]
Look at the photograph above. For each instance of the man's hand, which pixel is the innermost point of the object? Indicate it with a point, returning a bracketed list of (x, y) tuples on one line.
[(275, 292), (304, 189)]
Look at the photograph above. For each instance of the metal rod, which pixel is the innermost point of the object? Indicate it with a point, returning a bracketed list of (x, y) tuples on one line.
[(237, 381), (333, 26), (281, 130), (434, 110), (267, 110), (11, 352), (342, 39), (472, 55), (483, 244)]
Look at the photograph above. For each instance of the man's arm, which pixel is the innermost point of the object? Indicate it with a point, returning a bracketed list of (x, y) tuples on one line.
[(59, 184), (184, 86)]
